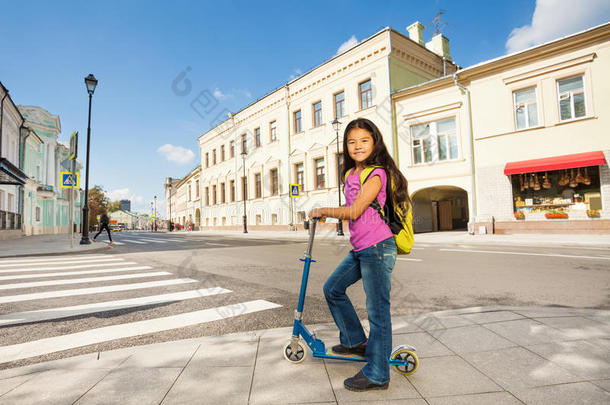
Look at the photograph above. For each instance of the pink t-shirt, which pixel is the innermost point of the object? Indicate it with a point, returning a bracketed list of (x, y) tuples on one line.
[(369, 228)]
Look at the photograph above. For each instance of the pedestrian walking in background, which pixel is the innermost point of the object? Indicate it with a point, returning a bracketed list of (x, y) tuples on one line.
[(104, 220)]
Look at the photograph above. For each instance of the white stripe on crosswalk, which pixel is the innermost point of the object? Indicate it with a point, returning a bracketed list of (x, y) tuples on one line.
[(55, 259), (63, 262), (404, 259), (117, 243), (57, 313), (175, 240), (94, 290), (81, 280), (107, 333), (74, 273), (152, 240), (216, 244), (134, 241), (80, 266)]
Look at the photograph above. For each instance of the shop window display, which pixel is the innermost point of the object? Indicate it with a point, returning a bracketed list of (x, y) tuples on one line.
[(557, 193)]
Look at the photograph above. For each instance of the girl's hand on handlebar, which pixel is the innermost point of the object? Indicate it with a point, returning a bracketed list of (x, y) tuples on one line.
[(317, 213)]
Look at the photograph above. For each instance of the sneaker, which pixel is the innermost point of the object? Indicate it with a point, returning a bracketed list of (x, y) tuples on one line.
[(359, 382), (359, 350)]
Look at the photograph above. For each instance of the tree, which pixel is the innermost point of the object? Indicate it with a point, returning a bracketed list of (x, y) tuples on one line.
[(114, 206), (97, 203)]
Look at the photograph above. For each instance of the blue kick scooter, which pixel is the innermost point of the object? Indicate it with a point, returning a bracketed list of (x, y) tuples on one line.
[(403, 359)]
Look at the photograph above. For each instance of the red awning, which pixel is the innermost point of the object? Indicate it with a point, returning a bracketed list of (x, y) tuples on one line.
[(556, 163)]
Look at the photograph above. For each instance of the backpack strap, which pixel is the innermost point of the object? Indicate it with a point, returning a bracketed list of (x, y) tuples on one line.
[(364, 176)]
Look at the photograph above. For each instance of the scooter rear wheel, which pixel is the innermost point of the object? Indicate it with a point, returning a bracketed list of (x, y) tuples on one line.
[(410, 359), (295, 355)]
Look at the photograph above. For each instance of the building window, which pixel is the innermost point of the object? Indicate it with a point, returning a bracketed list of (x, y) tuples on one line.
[(214, 157), (197, 189), (37, 214), (273, 130), (244, 144), (340, 104), (232, 149), (571, 98), (222, 153), (297, 122), (232, 186), (223, 198), (275, 183), (258, 186), (299, 170), (366, 94), (207, 196), (526, 108), (320, 173), (257, 137), (214, 194), (244, 188), (317, 114), (434, 141), (207, 160), (190, 193)]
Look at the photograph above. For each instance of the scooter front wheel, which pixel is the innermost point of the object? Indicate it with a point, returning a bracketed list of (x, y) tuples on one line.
[(408, 356), (294, 352)]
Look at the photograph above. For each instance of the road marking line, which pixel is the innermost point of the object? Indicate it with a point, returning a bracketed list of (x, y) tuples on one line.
[(107, 333), (57, 313), (94, 290), (216, 244), (404, 259), (117, 243), (81, 280), (528, 254), (62, 262), (152, 240), (417, 248), (53, 259), (135, 241), (70, 273), (80, 266)]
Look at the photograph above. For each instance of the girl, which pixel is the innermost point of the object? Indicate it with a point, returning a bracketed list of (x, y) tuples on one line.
[(372, 258)]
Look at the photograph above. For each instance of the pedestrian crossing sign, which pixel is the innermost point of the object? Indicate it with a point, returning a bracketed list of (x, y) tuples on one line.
[(295, 191), (69, 180)]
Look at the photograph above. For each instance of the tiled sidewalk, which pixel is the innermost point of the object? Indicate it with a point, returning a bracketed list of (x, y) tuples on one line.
[(491, 355)]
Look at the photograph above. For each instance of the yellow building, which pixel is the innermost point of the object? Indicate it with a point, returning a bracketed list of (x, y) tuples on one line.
[(536, 122)]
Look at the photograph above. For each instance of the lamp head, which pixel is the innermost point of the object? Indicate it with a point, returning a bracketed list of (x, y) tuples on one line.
[(91, 83)]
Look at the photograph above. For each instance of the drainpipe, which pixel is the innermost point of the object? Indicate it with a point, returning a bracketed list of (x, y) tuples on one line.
[(2, 116), (290, 200), (472, 200)]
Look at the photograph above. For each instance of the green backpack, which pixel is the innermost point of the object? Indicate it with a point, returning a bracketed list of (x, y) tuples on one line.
[(400, 224)]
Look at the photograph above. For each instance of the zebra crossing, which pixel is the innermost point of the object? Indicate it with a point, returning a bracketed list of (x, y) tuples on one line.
[(152, 239), (30, 289)]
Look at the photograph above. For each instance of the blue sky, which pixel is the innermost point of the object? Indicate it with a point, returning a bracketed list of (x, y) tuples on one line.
[(239, 51)]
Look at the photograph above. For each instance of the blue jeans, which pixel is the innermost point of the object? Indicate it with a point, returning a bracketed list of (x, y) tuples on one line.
[(374, 266)]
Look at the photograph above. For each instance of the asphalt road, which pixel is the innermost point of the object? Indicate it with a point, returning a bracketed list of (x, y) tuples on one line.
[(157, 287)]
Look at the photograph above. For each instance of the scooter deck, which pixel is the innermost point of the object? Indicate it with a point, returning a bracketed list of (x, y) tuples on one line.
[(330, 352)]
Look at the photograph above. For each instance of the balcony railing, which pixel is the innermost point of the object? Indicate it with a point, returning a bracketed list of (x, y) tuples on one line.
[(9, 220)]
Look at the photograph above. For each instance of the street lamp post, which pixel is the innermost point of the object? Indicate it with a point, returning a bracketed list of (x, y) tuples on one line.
[(336, 125), (91, 83), (244, 185), (155, 215), (169, 186)]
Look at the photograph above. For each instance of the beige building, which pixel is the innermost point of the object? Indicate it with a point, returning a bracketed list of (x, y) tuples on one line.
[(288, 138), (183, 199), (536, 122)]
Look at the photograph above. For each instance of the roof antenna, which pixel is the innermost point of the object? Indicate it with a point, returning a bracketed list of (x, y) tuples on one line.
[(438, 24)]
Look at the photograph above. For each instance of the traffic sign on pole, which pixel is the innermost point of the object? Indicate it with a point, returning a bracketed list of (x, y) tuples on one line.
[(295, 191), (73, 145), (69, 180)]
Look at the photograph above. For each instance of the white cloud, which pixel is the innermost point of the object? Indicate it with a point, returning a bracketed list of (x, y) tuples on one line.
[(296, 73), (350, 43), (220, 95), (137, 201), (119, 194), (177, 154), (554, 19)]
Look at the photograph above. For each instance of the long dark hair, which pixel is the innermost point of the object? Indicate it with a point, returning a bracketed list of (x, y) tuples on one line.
[(379, 157)]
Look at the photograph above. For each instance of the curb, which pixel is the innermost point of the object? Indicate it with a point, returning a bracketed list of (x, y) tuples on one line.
[(57, 253)]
